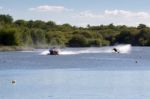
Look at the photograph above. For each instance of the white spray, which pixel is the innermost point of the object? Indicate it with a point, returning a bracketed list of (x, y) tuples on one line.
[(68, 51)]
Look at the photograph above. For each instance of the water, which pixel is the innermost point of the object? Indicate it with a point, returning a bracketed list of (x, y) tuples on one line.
[(78, 73)]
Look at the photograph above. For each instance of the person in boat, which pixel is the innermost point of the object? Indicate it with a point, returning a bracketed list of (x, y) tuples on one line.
[(53, 51), (115, 49)]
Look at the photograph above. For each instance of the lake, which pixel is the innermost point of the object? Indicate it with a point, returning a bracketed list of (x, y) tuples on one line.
[(77, 73)]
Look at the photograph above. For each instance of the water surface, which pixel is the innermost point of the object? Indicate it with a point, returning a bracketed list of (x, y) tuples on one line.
[(96, 73)]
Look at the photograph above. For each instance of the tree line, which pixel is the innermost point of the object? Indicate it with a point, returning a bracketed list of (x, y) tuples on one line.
[(41, 34)]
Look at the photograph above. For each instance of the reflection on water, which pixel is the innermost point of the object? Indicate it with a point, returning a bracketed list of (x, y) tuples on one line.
[(74, 84)]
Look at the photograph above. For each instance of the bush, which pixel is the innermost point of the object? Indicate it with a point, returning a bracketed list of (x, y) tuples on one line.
[(78, 41), (9, 37)]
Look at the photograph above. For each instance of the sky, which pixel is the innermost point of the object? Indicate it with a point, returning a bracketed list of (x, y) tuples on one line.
[(80, 12)]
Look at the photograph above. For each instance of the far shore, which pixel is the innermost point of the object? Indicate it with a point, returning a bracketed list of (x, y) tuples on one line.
[(23, 48), (31, 48), (15, 48)]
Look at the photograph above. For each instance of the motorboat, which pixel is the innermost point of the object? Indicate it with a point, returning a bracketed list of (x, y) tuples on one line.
[(53, 51)]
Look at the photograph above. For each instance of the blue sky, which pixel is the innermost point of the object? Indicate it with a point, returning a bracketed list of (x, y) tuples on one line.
[(80, 12)]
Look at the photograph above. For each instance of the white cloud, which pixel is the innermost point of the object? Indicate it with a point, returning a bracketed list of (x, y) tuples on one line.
[(115, 13), (89, 14), (124, 13), (118, 17), (48, 8)]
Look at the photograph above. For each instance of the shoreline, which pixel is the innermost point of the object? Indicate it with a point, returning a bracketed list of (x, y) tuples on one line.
[(31, 48), (16, 48)]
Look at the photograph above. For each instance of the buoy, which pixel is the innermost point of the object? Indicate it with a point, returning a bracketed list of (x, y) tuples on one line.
[(13, 81), (136, 61)]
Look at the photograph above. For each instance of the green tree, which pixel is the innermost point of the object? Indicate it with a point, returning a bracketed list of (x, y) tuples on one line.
[(144, 37), (38, 36), (56, 38), (20, 23), (141, 26), (7, 19), (9, 37), (78, 41), (125, 37)]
